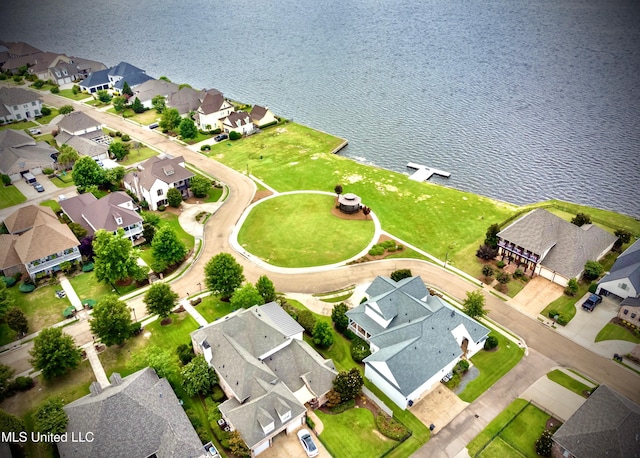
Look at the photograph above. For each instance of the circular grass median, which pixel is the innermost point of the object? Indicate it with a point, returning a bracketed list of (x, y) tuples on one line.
[(298, 230)]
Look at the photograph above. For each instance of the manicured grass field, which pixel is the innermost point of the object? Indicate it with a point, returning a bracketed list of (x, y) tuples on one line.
[(299, 230), (41, 306), (566, 305), (18, 125), (68, 93), (568, 382), (10, 195), (212, 308), (492, 366), (7, 335), (137, 155), (172, 220), (612, 331), (63, 181), (351, 434), (52, 204), (87, 286), (47, 119), (146, 118)]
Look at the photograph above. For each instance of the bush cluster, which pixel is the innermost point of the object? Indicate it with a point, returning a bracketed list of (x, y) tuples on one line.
[(343, 406), (359, 349), (388, 245), (491, 343), (392, 428)]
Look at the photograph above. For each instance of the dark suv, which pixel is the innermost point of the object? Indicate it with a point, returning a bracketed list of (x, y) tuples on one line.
[(591, 302), (220, 137)]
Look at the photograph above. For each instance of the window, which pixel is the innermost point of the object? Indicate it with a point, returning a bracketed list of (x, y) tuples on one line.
[(623, 286), (626, 311), (18, 116), (633, 315), (33, 104), (159, 192), (15, 107)]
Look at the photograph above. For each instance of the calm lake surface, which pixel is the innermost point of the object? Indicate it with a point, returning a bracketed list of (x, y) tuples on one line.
[(521, 100)]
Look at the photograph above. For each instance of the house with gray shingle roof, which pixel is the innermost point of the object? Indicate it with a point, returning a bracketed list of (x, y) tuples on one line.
[(20, 153), (606, 425), (135, 416), (266, 370), (17, 104), (623, 279), (80, 123), (146, 91), (238, 121), (84, 145), (185, 100), (212, 110), (416, 338), (544, 244), (95, 81)]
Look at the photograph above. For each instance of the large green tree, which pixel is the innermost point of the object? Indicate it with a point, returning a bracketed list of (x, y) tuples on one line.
[(66, 109), (581, 219), (54, 353), (348, 384), (170, 119), (266, 289), (118, 150), (223, 275), (339, 316), (6, 300), (67, 155), (126, 89), (160, 299), (473, 305), (491, 237), (167, 248), (119, 104), (114, 256), (111, 320), (200, 186), (17, 320), (86, 172), (50, 417), (322, 334), (592, 270), (198, 377), (159, 103), (188, 128), (245, 297), (174, 197), (137, 106)]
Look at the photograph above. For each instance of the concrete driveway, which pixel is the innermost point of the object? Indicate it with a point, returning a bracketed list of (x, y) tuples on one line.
[(536, 295), (284, 446), (554, 398), (439, 407)]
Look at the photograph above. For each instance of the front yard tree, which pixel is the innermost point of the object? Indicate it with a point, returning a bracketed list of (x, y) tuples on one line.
[(5, 299), (111, 320), (170, 119), (624, 237), (200, 186), (54, 353), (592, 270), (86, 172), (572, 287), (118, 150), (338, 189), (491, 237), (160, 299), (119, 104), (581, 219), (67, 156), (486, 252), (137, 106), (188, 129), (66, 109), (159, 103), (400, 274), (50, 418), (10, 423), (473, 305), (245, 297), (174, 197), (17, 320), (126, 89), (487, 271), (167, 248), (237, 445), (104, 96), (198, 377), (114, 257), (266, 289), (114, 176), (348, 384), (339, 316), (322, 334), (223, 275)]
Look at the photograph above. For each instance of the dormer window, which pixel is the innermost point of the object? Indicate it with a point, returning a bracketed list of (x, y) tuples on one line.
[(168, 171), (118, 218)]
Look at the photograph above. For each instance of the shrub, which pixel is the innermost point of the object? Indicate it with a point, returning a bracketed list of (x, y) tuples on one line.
[(343, 406), (503, 277), (185, 354), (491, 343), (9, 281), (6, 180), (487, 271), (544, 443), (87, 267), (376, 250), (217, 394), (136, 328), (112, 134), (486, 252), (359, 349), (47, 171), (581, 219), (118, 133), (125, 137), (518, 273), (572, 287), (45, 111), (400, 274), (593, 287), (161, 208), (55, 90), (27, 287), (562, 321), (553, 313), (307, 321), (22, 383), (462, 366), (392, 428), (205, 148), (310, 423), (500, 264), (235, 135)]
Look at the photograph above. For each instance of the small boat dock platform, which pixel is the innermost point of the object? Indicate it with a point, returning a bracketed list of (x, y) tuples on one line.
[(423, 173)]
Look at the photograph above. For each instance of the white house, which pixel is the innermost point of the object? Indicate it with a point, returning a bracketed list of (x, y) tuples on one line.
[(239, 122), (416, 338), (262, 116), (18, 104), (155, 177), (624, 278), (212, 109), (20, 153), (79, 123)]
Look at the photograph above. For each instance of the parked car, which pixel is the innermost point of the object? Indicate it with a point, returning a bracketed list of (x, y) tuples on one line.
[(60, 293), (153, 125), (38, 187), (35, 131), (307, 443), (220, 137), (591, 302)]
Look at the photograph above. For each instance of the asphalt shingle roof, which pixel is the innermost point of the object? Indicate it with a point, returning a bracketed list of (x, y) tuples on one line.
[(77, 121), (94, 214), (626, 266)]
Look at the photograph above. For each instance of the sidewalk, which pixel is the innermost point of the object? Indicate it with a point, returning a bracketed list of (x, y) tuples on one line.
[(96, 365)]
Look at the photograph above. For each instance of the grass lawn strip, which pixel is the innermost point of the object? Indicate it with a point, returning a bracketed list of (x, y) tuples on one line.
[(41, 306), (212, 308), (613, 331), (498, 448), (525, 429), (10, 195), (570, 383), (87, 286), (68, 93), (353, 434), (18, 125), (298, 230), (495, 426)]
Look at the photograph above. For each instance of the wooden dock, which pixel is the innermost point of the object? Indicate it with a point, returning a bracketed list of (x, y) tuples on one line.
[(423, 173)]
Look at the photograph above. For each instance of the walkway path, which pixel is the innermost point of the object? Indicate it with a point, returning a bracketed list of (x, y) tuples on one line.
[(71, 293), (554, 398), (96, 365), (193, 312)]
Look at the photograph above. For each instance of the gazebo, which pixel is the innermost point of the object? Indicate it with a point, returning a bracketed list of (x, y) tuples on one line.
[(349, 203)]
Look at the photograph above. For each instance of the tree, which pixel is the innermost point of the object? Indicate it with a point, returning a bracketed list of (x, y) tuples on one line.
[(322, 334), (104, 96), (487, 271), (6, 373), (163, 361), (54, 353), (118, 150), (114, 256), (233, 135), (503, 277), (339, 316), (400, 274), (473, 305), (491, 237), (119, 104), (624, 237), (86, 247), (67, 155), (86, 172), (223, 275), (17, 320), (159, 103), (491, 343), (581, 219), (266, 289), (167, 248), (10, 423), (572, 287), (79, 231), (174, 197), (50, 417), (126, 89), (200, 186), (66, 109), (114, 176), (348, 384), (307, 321), (198, 377), (45, 111), (160, 299), (486, 252), (137, 106), (170, 119), (6, 179), (237, 446), (338, 189), (185, 353), (246, 296), (188, 128), (150, 223), (360, 349), (592, 270), (5, 299), (111, 320), (544, 443)]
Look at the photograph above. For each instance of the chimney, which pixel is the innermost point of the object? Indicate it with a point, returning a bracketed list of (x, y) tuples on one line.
[(95, 388), (115, 379)]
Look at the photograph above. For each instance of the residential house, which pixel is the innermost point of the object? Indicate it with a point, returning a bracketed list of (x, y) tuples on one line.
[(95, 81), (125, 72), (80, 123), (544, 244), (18, 104), (20, 54), (20, 48), (212, 109), (267, 371), (20, 154), (262, 116), (64, 70), (146, 91), (114, 211), (155, 177), (415, 338), (623, 279), (85, 146), (38, 240), (40, 63), (238, 121), (135, 416), (185, 100), (629, 311), (606, 425)]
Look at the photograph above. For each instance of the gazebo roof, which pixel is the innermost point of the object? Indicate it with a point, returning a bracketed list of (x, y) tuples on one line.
[(349, 199)]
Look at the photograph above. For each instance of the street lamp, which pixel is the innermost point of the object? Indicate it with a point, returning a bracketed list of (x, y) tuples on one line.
[(135, 318), (200, 286), (446, 256)]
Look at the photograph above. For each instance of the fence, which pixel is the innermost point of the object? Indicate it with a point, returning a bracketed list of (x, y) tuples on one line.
[(368, 393)]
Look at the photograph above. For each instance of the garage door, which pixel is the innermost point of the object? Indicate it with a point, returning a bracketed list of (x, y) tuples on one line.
[(261, 448)]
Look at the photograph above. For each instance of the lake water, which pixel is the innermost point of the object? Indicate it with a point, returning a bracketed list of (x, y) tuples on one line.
[(521, 100)]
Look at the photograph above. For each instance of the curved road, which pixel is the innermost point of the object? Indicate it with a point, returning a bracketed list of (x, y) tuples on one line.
[(241, 191)]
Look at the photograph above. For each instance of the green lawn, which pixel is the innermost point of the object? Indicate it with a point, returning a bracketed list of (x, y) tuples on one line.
[(214, 194), (613, 331), (212, 308), (137, 155), (200, 137), (351, 434), (41, 306), (52, 204), (566, 305), (172, 220), (492, 366), (146, 118), (64, 180), (498, 448), (10, 196), (68, 93), (87, 286), (568, 382), (18, 125), (7, 335), (47, 119), (299, 231)]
